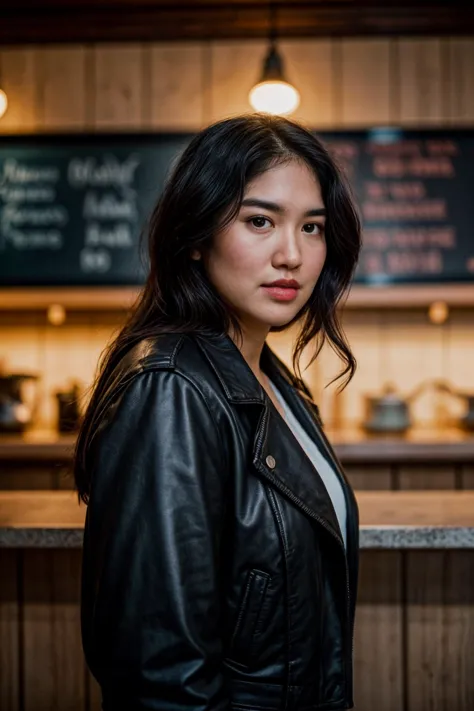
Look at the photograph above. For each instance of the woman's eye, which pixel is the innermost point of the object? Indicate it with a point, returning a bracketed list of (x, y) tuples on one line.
[(312, 228), (259, 222)]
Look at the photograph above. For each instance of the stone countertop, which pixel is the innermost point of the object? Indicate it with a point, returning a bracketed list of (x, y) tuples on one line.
[(389, 519), (352, 445)]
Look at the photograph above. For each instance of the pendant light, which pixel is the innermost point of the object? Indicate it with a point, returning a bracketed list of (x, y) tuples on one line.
[(273, 94), (3, 102)]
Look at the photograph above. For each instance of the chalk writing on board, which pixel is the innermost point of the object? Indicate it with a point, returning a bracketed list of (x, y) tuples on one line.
[(109, 209), (31, 218), (414, 204), (89, 171)]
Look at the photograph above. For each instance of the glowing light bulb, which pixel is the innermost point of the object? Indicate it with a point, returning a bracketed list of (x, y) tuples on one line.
[(274, 97), (3, 102)]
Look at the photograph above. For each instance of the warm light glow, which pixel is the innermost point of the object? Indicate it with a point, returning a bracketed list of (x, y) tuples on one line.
[(274, 97), (56, 314), (3, 102), (438, 312)]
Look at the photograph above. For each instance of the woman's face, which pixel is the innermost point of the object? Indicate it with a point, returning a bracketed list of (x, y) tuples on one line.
[(277, 234)]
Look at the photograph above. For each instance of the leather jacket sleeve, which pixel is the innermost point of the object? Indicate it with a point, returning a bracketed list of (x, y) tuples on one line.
[(151, 616)]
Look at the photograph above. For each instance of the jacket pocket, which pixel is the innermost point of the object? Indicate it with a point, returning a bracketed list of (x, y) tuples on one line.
[(251, 617)]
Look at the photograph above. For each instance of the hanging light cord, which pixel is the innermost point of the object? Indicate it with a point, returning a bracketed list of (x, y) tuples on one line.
[(272, 34)]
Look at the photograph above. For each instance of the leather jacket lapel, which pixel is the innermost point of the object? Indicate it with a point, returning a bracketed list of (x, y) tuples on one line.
[(280, 459), (276, 453)]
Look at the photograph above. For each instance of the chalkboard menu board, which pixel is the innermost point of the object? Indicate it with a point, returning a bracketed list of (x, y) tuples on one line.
[(73, 208), (414, 191)]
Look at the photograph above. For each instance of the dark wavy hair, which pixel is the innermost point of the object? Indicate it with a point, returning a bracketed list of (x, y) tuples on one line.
[(202, 196)]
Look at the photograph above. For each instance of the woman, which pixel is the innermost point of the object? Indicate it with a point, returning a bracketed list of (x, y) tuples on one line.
[(221, 538)]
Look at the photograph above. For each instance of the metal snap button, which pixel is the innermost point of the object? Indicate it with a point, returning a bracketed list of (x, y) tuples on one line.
[(270, 461)]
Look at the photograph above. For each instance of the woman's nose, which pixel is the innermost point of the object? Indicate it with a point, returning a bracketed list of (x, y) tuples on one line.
[(289, 250)]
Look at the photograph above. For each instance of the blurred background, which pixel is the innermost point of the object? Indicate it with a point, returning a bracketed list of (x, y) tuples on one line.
[(97, 98), (127, 67)]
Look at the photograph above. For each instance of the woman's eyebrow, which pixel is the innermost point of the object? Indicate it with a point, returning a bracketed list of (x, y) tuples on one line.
[(275, 207)]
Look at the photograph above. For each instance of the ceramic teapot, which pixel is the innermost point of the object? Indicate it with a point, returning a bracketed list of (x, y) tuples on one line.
[(389, 412), (18, 401)]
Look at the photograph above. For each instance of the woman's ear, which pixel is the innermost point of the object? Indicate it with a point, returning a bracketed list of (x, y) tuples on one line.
[(195, 254)]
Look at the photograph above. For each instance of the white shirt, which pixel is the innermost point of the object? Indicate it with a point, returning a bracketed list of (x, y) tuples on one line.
[(323, 467)]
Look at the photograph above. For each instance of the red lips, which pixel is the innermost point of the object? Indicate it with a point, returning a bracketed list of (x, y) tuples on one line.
[(285, 283)]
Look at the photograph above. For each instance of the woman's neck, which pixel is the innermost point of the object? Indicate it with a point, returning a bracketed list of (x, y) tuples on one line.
[(251, 348)]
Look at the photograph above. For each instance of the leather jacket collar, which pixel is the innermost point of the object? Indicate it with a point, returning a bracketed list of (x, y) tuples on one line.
[(275, 454), (234, 373)]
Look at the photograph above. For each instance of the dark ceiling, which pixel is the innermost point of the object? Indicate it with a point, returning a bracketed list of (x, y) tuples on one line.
[(38, 21)]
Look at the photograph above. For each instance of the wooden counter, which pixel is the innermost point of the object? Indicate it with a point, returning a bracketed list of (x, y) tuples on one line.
[(414, 631), (388, 519)]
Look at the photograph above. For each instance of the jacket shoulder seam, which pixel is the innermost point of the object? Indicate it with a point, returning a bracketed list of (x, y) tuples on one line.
[(151, 367), (162, 360)]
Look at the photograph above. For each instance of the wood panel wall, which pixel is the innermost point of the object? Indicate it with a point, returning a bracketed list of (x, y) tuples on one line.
[(413, 638), (184, 86)]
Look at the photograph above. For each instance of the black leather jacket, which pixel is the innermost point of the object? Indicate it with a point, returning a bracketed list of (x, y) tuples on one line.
[(214, 572)]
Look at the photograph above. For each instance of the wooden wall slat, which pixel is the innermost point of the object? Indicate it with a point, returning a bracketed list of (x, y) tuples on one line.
[(177, 82), (467, 476), (61, 81), (424, 619), (364, 332), (426, 477), (309, 66), (369, 476), (459, 631), (461, 80), (378, 648), (21, 476), (234, 68), (64, 477), (119, 90), (421, 76), (9, 631), (365, 82), (18, 80), (54, 667), (440, 630)]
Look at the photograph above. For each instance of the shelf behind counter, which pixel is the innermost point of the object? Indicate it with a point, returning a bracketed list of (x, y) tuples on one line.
[(422, 459)]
